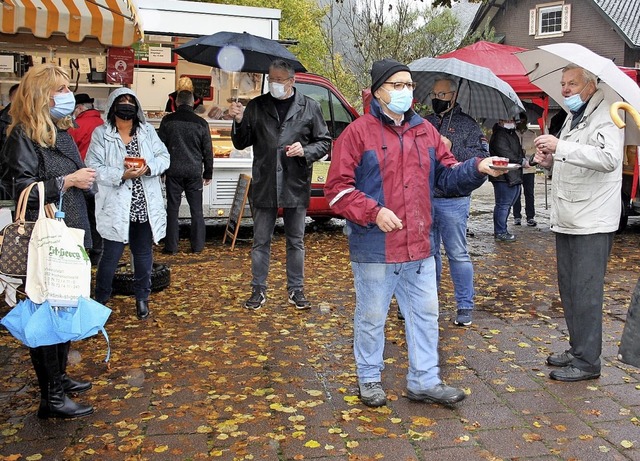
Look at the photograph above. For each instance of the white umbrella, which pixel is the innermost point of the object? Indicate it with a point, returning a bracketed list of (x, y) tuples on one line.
[(480, 92), (544, 69)]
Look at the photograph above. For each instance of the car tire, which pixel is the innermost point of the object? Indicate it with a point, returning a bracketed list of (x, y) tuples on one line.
[(123, 279)]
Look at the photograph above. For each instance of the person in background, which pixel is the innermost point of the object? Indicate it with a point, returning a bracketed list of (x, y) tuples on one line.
[(528, 176), (5, 118), (288, 133), (129, 203), (586, 158), (188, 140), (184, 84), (87, 119), (505, 143), (464, 137), (39, 148), (384, 167)]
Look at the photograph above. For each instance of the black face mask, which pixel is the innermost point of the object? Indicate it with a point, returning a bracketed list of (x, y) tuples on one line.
[(440, 105), (125, 111)]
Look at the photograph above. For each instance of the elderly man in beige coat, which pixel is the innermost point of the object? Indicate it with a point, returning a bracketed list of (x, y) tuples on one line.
[(585, 212)]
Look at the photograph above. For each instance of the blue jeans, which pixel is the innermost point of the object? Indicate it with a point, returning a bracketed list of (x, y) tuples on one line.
[(264, 221), (414, 286), (140, 243), (450, 216), (505, 196), (192, 188)]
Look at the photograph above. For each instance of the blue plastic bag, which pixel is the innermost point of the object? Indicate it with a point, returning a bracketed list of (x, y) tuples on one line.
[(43, 325)]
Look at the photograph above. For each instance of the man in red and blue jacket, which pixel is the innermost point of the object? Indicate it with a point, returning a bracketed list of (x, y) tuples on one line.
[(384, 168)]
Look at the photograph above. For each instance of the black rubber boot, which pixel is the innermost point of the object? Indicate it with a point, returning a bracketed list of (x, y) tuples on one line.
[(142, 309), (69, 385), (53, 401)]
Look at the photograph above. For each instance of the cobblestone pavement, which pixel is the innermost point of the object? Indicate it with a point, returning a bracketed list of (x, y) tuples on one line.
[(207, 379)]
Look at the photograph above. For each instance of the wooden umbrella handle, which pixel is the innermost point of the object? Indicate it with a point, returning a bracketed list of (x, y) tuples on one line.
[(615, 116)]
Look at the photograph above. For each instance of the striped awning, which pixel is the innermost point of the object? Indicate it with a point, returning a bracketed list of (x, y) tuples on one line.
[(111, 22)]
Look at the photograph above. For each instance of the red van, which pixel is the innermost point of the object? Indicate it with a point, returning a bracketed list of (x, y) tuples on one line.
[(338, 113)]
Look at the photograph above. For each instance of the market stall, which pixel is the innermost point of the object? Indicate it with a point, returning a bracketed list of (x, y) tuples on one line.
[(77, 34)]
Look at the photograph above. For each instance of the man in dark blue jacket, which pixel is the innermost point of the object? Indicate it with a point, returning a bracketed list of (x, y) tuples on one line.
[(188, 141), (465, 138)]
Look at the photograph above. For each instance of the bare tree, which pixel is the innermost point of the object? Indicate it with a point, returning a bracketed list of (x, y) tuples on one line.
[(359, 32)]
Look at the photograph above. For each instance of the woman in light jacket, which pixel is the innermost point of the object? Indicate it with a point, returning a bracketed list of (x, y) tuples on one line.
[(129, 203)]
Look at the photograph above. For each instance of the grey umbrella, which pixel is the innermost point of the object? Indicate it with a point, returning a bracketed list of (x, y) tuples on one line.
[(480, 92), (237, 52)]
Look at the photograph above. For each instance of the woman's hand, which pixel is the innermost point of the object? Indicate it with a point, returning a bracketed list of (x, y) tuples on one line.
[(82, 179), (131, 173)]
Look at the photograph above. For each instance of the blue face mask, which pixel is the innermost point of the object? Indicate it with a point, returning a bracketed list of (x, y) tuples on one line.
[(574, 102), (65, 103), (400, 101)]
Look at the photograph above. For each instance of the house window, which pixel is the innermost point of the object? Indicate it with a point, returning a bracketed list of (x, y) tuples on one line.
[(550, 20)]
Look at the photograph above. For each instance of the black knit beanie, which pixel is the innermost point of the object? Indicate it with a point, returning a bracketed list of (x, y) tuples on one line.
[(383, 69)]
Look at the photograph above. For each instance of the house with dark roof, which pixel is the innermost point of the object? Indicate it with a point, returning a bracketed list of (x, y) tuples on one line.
[(610, 28)]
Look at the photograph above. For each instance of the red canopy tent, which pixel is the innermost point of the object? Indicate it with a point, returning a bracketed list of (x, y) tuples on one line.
[(501, 60)]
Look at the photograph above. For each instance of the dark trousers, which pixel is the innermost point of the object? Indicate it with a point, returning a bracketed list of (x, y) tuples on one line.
[(192, 188), (264, 221), (582, 264), (140, 243), (528, 182)]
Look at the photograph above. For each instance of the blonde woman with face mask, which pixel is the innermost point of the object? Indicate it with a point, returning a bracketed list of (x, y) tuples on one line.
[(39, 148)]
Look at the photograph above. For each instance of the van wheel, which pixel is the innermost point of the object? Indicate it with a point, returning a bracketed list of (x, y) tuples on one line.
[(123, 279)]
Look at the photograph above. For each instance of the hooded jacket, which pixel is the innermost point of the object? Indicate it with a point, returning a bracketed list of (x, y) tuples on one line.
[(278, 180), (587, 173), (113, 201), (375, 164)]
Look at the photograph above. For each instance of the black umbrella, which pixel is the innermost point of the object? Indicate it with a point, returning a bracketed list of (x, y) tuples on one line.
[(237, 52)]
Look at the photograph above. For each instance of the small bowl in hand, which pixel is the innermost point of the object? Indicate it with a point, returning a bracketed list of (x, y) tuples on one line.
[(500, 161), (134, 162)]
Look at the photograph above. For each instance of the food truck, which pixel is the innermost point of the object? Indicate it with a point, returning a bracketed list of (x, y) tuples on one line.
[(170, 23)]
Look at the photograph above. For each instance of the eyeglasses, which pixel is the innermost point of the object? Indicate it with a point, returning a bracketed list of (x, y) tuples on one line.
[(277, 80), (440, 95), (398, 86)]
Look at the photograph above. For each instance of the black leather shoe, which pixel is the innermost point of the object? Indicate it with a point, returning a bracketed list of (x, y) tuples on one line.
[(440, 393), (561, 359), (142, 308), (71, 386), (571, 373)]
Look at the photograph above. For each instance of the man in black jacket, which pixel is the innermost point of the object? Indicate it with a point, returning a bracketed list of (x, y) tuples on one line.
[(188, 141), (288, 133)]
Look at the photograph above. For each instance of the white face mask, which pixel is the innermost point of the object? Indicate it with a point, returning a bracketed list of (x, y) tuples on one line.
[(509, 126), (277, 90)]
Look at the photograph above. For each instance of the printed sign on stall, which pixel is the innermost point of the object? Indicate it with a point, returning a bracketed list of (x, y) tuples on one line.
[(120, 63)]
